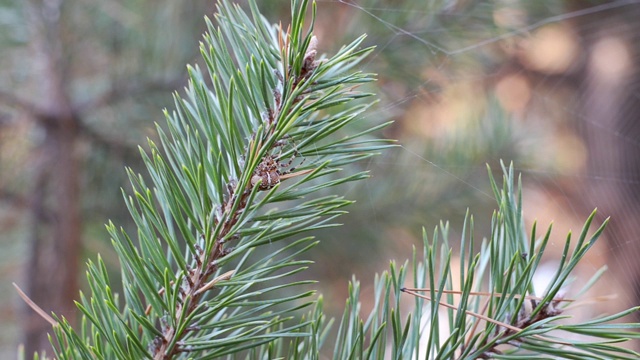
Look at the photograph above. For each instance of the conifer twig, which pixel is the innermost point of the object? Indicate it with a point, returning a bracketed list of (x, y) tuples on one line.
[(168, 344)]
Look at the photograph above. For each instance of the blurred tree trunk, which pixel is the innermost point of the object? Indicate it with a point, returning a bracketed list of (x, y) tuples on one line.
[(55, 216), (610, 111), (56, 233)]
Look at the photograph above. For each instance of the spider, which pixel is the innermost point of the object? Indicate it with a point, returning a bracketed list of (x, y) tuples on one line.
[(271, 171)]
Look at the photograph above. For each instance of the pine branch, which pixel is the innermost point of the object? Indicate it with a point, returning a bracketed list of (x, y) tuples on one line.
[(258, 131), (504, 320)]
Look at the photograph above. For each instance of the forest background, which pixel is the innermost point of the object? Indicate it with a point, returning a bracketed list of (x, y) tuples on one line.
[(552, 85)]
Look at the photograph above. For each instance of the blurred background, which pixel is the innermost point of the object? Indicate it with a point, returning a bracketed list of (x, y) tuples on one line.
[(552, 85)]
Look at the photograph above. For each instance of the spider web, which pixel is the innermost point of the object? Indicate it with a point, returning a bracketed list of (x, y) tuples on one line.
[(549, 85)]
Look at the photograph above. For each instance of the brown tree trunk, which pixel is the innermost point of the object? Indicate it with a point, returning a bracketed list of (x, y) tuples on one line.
[(56, 234), (55, 214)]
